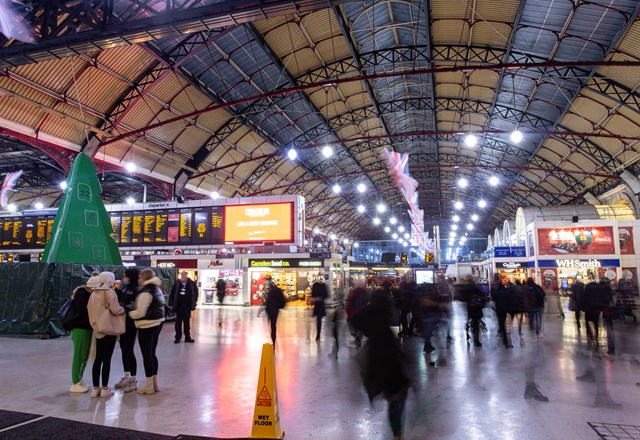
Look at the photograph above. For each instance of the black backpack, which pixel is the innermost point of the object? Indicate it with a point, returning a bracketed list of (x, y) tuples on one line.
[(68, 314)]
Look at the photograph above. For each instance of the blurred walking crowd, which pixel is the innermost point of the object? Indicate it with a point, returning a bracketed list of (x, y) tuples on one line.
[(426, 311)]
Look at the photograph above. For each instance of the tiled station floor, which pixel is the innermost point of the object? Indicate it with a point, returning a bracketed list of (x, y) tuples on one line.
[(208, 388)]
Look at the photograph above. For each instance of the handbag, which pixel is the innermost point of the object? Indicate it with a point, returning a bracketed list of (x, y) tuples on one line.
[(107, 323), (64, 310)]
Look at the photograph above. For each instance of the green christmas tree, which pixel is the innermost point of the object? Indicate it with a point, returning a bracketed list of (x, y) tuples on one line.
[(82, 228)]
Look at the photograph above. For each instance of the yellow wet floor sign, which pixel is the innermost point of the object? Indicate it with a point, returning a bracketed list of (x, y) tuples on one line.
[(266, 415)]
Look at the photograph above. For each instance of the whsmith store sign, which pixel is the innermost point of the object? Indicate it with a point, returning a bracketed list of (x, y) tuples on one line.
[(578, 264), (286, 263)]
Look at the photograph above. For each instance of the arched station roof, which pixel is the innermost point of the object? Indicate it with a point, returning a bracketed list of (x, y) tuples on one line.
[(220, 91)]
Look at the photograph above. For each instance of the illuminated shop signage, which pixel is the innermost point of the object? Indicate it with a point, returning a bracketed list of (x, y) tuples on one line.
[(511, 265), (275, 263), (579, 264)]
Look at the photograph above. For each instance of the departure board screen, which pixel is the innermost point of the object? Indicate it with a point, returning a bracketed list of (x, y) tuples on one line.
[(17, 232), (161, 227), (173, 226), (42, 232), (125, 229), (29, 238), (217, 225), (136, 227), (201, 225), (149, 227), (186, 226), (115, 225)]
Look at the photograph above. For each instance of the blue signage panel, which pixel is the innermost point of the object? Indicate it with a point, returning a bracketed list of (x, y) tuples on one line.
[(509, 251)]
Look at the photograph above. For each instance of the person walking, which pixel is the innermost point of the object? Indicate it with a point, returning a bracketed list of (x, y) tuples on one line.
[(536, 306), (381, 361), (576, 300), (319, 294), (182, 301), (148, 315), (356, 300), (221, 289), (500, 297), (126, 297), (275, 302), (471, 294), (81, 334), (103, 310)]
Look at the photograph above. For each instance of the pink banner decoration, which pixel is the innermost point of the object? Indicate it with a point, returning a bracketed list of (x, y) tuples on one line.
[(9, 183), (12, 25)]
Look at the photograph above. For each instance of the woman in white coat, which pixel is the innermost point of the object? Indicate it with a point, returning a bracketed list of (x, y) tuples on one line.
[(103, 307)]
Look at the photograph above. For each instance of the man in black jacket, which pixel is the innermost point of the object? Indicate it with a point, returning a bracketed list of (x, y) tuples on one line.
[(182, 301), (275, 302)]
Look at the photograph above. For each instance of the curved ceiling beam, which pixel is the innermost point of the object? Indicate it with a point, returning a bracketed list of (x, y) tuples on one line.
[(68, 30), (296, 89)]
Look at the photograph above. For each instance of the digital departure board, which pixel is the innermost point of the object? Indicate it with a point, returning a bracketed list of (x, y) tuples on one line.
[(202, 226)]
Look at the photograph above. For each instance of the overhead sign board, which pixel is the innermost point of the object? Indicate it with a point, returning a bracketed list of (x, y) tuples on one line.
[(259, 223)]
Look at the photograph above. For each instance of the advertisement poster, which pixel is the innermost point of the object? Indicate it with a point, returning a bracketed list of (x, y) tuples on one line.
[(530, 243), (549, 279), (576, 241), (608, 272), (257, 223), (257, 288), (625, 237), (631, 274)]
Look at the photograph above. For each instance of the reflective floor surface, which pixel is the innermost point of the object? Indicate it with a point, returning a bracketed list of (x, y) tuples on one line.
[(208, 388)]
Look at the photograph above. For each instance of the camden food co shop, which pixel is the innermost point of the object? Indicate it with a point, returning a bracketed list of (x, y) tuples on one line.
[(293, 275)]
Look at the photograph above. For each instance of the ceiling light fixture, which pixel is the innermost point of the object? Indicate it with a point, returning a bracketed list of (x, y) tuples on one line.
[(463, 183), (131, 201), (12, 207), (470, 141), (394, 236), (516, 136), (470, 227), (452, 234), (393, 220), (215, 194), (387, 229), (39, 205), (131, 167), (401, 228), (361, 208), (336, 188), (456, 218), (376, 221), (474, 217), (63, 184), (454, 227), (381, 208), (327, 151), (292, 154), (362, 187), (482, 203), (458, 205), (493, 180)]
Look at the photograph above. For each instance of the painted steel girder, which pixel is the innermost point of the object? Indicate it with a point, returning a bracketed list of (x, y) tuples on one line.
[(599, 84), (85, 27)]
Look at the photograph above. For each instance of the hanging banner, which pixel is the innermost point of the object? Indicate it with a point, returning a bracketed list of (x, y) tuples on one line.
[(625, 237), (561, 241)]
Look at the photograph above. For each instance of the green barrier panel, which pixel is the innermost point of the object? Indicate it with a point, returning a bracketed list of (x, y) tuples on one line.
[(32, 293)]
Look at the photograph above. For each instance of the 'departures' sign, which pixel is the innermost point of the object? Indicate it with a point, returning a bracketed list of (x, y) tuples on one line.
[(258, 223)]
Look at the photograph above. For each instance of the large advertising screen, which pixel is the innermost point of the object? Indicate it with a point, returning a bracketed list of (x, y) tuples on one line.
[(576, 241), (258, 223)]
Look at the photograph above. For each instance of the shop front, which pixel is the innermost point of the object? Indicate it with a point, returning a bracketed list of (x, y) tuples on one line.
[(210, 271), (558, 275), (293, 275), (512, 271)]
